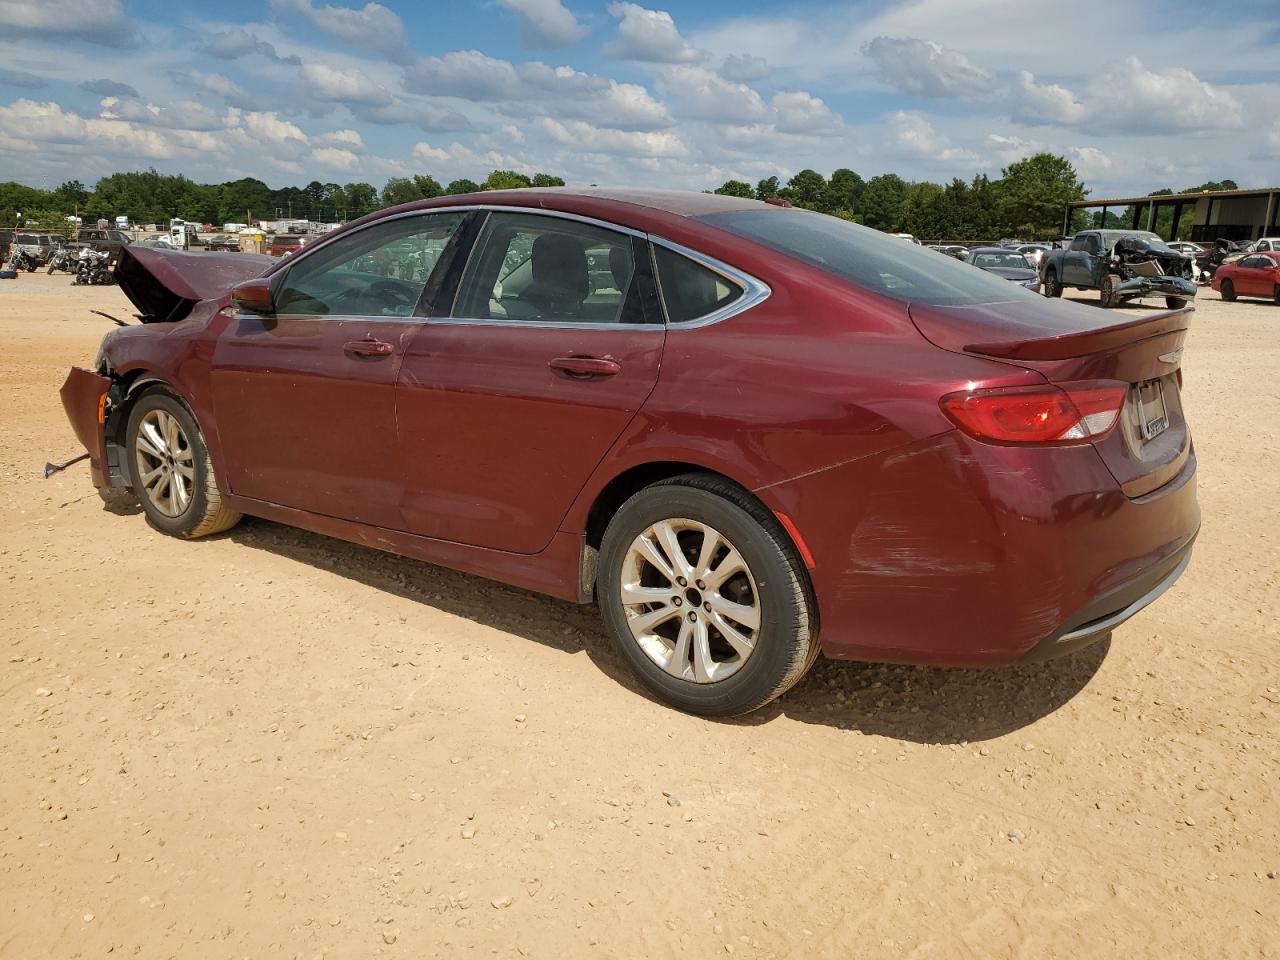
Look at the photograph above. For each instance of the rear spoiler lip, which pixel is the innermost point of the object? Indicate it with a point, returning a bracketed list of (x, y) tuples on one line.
[(1071, 345)]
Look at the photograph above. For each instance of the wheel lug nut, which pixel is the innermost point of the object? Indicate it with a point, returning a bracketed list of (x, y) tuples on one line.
[(706, 607), (677, 601), (682, 581), (692, 616), (700, 585)]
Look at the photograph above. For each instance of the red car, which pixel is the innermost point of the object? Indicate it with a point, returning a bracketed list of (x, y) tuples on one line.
[(1255, 275), (285, 245), (751, 433)]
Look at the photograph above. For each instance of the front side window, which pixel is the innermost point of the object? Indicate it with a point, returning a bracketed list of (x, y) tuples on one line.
[(1005, 260), (690, 290), (379, 271), (550, 269)]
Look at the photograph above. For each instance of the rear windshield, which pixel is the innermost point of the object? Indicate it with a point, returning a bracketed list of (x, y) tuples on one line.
[(869, 258)]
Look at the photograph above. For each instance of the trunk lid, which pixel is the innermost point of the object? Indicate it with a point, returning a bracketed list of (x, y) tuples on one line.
[(165, 284), (1068, 342)]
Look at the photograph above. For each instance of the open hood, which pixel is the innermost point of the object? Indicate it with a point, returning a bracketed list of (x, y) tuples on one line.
[(165, 284)]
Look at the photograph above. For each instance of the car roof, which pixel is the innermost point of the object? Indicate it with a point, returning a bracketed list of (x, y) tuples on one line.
[(682, 203), (1009, 250)]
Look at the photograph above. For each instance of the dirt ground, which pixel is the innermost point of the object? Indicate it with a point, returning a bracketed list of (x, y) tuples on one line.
[(273, 744)]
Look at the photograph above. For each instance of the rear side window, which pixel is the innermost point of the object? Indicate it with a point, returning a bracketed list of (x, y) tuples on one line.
[(871, 259), (689, 289)]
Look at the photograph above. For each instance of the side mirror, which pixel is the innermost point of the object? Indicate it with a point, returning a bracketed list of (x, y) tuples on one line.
[(253, 295)]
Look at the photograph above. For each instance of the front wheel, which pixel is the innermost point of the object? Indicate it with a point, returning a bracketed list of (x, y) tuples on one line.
[(1107, 291), (1175, 303), (172, 473), (1228, 290), (705, 596)]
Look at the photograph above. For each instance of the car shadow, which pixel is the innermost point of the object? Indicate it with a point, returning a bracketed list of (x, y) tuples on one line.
[(919, 704)]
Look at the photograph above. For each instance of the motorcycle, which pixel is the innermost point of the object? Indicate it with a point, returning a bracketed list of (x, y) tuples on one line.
[(21, 260), (62, 259), (92, 268)]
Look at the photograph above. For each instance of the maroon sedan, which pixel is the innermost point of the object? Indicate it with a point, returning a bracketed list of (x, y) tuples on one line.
[(750, 433), (1256, 275)]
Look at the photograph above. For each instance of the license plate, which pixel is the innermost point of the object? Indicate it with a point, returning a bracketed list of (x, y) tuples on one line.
[(1153, 417)]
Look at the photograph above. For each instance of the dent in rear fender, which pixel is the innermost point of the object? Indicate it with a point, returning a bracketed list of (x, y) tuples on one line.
[(83, 395)]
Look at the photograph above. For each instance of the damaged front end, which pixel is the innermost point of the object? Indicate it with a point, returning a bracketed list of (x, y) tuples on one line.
[(1150, 269), (84, 398)]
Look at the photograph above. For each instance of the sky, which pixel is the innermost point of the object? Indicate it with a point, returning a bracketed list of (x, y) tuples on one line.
[(1138, 94)]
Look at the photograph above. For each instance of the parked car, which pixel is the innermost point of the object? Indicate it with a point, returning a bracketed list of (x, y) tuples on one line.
[(1266, 245), (38, 246), (1122, 265), (285, 244), (951, 250), (160, 241), (1006, 263), (223, 241), (1034, 252), (104, 241), (1253, 275), (1188, 249), (906, 236), (775, 432)]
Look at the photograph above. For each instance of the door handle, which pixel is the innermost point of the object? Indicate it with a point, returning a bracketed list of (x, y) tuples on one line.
[(369, 348), (585, 367)]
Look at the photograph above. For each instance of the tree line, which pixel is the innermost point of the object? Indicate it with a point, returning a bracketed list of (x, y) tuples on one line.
[(1027, 202), (152, 197)]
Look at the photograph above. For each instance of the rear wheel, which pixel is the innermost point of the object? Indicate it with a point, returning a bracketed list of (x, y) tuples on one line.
[(1175, 303), (1275, 295), (1052, 288), (705, 597), (1228, 290), (172, 473)]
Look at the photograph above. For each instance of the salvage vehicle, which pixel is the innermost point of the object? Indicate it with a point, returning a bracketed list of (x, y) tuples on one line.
[(1254, 275), (104, 241), (774, 434), (1009, 264), (1122, 265)]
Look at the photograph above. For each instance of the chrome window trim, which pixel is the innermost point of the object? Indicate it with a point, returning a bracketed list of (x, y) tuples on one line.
[(754, 290)]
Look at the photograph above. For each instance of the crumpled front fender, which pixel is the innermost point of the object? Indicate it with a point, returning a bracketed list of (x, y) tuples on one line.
[(84, 397), (1157, 286)]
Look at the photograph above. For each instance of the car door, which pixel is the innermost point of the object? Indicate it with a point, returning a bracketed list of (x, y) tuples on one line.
[(1077, 263), (305, 397), (508, 403), (1255, 276)]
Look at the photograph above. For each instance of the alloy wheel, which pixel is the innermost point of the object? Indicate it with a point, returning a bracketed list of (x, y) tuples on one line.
[(165, 462), (691, 601)]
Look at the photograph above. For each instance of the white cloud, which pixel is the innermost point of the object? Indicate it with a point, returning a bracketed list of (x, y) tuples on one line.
[(1129, 97), (468, 74), (335, 158), (648, 35), (96, 21), (627, 106), (800, 112), (925, 68), (218, 84), (1090, 162), (914, 136), (1037, 103), (585, 136), (371, 27), (268, 128), (238, 42), (335, 85), (1010, 149), (700, 94), (744, 68), (545, 24), (461, 159), (183, 115), (349, 139)]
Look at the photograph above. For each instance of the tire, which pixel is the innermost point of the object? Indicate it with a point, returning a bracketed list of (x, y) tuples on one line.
[(202, 511), (1175, 303), (1228, 290), (50, 270), (1052, 288), (1107, 292), (772, 589)]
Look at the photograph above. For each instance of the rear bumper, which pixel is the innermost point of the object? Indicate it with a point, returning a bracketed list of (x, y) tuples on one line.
[(84, 397), (951, 552)]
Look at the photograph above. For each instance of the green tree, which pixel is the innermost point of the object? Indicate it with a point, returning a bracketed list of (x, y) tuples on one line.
[(767, 188), (844, 192), (400, 190), (1032, 194), (924, 211), (462, 185), (735, 188), (806, 189), (547, 180), (362, 198), (882, 201), (428, 186), (506, 180)]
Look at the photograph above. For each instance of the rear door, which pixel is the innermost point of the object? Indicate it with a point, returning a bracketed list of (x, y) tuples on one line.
[(1255, 276), (305, 397), (1077, 262), (506, 405)]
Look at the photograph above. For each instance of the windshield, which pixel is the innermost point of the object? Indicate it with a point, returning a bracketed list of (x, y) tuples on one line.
[(878, 261), (989, 260)]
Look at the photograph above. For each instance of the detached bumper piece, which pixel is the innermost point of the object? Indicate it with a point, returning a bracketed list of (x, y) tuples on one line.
[(1157, 287), (1099, 618), (84, 397)]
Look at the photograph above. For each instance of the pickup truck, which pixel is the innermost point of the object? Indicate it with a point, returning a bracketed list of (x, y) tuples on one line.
[(1121, 265), (104, 241)]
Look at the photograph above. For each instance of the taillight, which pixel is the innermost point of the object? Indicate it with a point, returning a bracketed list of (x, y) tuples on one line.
[(1053, 413)]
